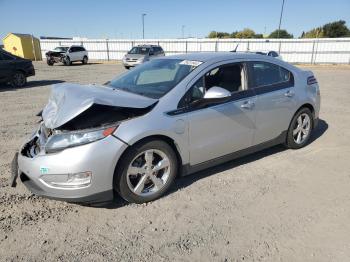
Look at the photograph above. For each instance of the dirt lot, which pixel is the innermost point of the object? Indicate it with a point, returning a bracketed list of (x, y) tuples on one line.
[(276, 205)]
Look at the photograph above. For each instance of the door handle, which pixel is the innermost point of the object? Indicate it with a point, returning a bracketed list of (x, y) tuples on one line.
[(289, 93), (247, 104)]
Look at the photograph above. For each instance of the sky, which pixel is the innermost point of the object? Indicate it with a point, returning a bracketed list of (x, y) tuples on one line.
[(164, 18)]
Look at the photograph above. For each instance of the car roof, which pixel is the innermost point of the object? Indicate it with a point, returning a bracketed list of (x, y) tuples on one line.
[(219, 56), (148, 46)]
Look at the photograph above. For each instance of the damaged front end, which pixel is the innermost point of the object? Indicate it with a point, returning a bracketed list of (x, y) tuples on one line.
[(77, 115), (55, 57)]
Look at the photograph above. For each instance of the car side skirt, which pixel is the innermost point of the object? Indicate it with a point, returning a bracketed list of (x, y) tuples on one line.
[(188, 169)]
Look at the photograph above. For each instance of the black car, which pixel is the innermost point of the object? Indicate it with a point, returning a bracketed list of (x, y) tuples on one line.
[(14, 69)]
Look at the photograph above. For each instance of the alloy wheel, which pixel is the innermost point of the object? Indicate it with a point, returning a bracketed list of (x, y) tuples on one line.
[(19, 79), (302, 128), (148, 172)]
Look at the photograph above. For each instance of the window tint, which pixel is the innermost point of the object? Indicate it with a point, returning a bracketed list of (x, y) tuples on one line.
[(264, 74)]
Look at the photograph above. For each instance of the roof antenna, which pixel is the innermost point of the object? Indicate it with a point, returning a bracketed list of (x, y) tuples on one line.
[(234, 50)]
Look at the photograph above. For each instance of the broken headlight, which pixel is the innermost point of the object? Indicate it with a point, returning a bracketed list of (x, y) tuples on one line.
[(60, 141)]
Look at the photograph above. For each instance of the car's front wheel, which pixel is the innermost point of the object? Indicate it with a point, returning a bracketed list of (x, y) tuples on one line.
[(18, 79), (300, 129), (67, 61), (146, 171)]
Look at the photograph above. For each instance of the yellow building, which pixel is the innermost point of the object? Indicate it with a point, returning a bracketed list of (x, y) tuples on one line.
[(23, 45)]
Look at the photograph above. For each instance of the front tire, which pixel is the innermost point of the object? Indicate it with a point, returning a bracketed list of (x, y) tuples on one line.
[(67, 61), (146, 171), (127, 67), (18, 79), (300, 129)]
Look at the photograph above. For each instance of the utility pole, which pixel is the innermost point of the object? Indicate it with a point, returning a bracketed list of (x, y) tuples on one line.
[(143, 25), (279, 26), (183, 31)]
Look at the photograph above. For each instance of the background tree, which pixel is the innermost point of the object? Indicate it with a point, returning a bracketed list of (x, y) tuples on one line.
[(336, 29), (314, 33), (215, 34), (245, 33), (282, 34)]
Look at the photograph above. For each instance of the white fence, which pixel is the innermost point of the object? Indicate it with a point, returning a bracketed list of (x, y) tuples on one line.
[(314, 51)]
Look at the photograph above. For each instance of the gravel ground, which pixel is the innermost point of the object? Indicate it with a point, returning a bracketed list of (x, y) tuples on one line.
[(276, 205)]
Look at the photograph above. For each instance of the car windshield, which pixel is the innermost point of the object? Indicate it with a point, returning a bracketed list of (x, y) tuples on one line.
[(139, 50), (155, 78), (61, 49)]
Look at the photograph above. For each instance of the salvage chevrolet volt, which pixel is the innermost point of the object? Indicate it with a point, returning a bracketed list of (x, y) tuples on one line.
[(170, 116)]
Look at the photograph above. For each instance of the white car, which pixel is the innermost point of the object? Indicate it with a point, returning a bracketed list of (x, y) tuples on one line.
[(67, 55)]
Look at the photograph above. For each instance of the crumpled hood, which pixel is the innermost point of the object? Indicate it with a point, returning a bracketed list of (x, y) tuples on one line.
[(67, 101)]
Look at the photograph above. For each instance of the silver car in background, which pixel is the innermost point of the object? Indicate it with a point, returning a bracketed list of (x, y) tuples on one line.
[(140, 54), (171, 116)]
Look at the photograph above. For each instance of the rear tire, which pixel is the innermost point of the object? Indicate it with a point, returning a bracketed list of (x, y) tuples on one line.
[(50, 62), (18, 79), (85, 60), (127, 67), (300, 129), (146, 171)]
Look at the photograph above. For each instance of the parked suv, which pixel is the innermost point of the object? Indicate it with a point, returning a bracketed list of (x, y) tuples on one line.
[(140, 54), (67, 55), (14, 69)]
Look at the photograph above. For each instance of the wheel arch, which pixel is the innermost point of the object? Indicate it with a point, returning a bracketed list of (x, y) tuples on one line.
[(311, 108)]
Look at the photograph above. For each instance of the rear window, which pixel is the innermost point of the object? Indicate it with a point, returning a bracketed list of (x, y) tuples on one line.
[(139, 50)]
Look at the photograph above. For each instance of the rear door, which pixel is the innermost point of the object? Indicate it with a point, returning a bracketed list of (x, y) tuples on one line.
[(275, 104)]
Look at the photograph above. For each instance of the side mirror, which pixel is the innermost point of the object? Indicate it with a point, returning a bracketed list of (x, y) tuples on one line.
[(214, 95), (217, 93)]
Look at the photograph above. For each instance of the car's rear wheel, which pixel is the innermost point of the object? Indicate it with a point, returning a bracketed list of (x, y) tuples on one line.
[(18, 79), (300, 129), (127, 67), (146, 171), (50, 62), (85, 60)]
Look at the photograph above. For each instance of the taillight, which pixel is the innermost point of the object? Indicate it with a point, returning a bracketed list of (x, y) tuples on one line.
[(311, 80)]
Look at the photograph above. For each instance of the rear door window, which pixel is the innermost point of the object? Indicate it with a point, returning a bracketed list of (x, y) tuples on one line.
[(268, 74)]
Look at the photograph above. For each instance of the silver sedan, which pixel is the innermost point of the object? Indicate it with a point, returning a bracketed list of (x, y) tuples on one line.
[(171, 116)]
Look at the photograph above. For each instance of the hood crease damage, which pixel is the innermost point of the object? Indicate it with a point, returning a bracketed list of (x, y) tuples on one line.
[(73, 106)]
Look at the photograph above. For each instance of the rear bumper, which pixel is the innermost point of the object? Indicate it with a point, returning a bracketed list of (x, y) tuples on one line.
[(30, 72)]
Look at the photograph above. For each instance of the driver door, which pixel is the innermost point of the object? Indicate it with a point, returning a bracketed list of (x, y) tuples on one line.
[(220, 129)]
